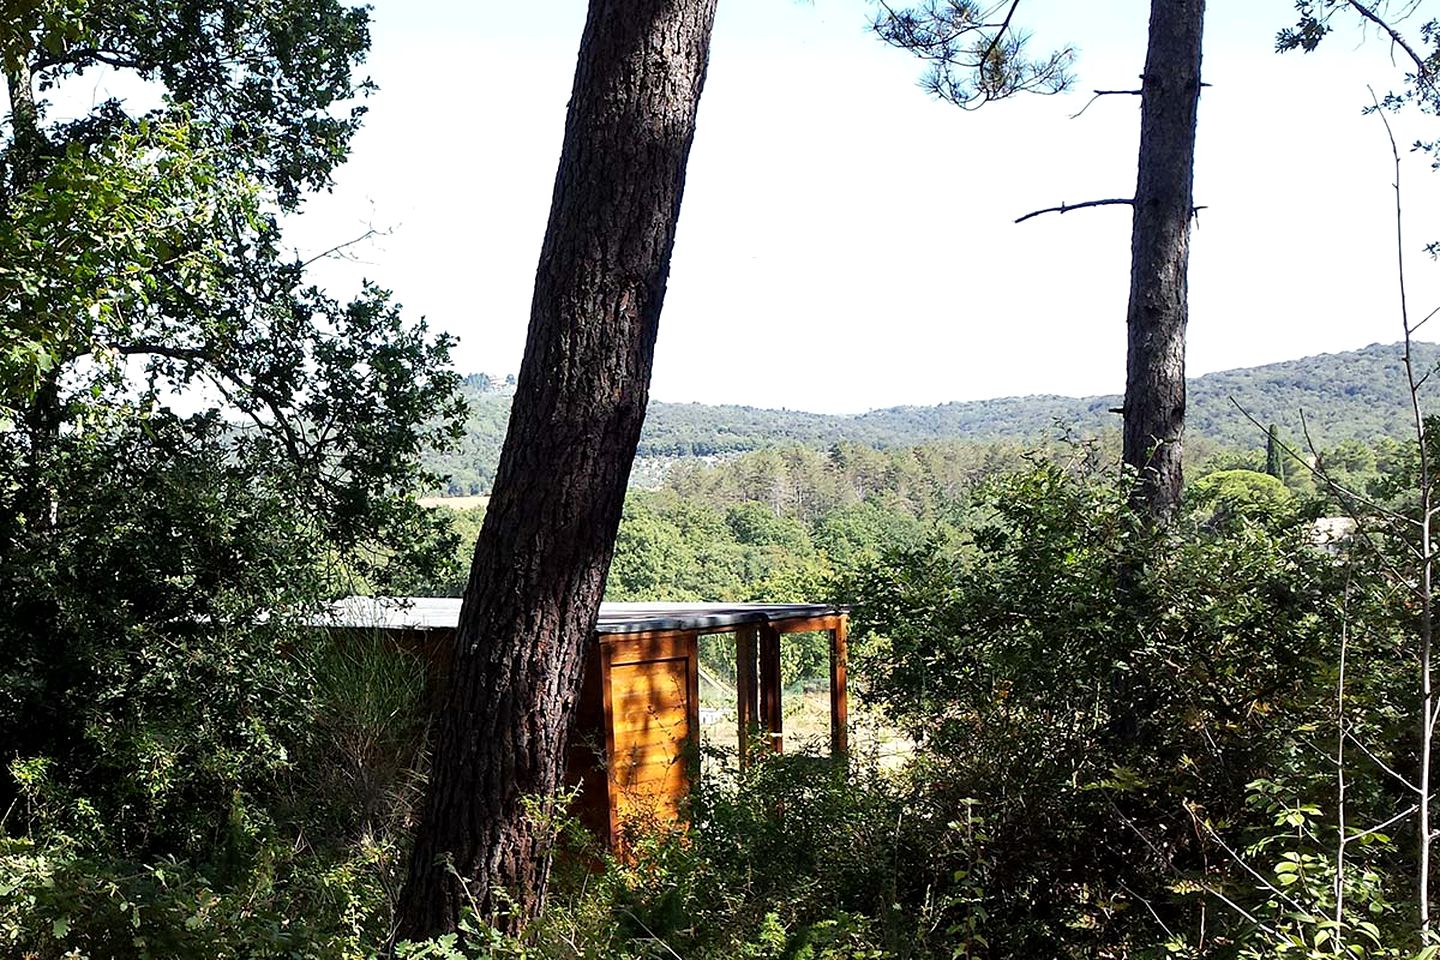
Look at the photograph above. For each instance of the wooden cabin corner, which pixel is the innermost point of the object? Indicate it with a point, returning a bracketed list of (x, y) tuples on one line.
[(634, 751)]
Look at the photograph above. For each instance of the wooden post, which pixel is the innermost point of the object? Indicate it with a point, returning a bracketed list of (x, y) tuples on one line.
[(691, 757), (607, 717), (747, 706), (770, 715), (839, 702)]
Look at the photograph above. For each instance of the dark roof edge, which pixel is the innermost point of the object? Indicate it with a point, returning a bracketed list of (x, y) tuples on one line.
[(720, 620)]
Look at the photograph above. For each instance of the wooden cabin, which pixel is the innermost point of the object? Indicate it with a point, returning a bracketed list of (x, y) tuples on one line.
[(635, 747)]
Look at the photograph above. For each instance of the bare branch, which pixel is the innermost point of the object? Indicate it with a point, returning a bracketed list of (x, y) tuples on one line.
[(1426, 320), (1345, 494), (1241, 861), (1380, 763), (1381, 826), (1103, 93), (1321, 752), (1427, 557), (1422, 72), (339, 247), (1213, 891), (1340, 787), (1359, 498), (1148, 906), (1067, 207), (1347, 499)]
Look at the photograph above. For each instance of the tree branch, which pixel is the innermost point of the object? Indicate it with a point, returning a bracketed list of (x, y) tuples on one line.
[(1244, 864), (370, 231), (1428, 317), (1213, 891), (1381, 826), (1380, 763), (75, 55), (1343, 493), (1379, 508), (220, 375), (1422, 72), (1103, 93), (1067, 207), (969, 75), (941, 42), (995, 40), (159, 350)]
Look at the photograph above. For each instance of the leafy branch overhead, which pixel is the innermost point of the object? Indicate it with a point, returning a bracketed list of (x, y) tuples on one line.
[(1415, 47), (109, 246), (974, 50), (141, 254), (270, 85), (196, 443)]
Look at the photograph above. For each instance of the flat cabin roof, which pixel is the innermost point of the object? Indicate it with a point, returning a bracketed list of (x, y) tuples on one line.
[(443, 613)]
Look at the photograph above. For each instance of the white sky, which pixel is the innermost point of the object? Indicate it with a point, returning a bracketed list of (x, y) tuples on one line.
[(846, 243)]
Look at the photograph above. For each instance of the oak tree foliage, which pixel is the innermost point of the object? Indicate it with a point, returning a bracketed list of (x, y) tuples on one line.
[(196, 442)]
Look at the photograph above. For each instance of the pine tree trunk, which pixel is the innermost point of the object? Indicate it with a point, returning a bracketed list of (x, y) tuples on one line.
[(549, 531), (1160, 254)]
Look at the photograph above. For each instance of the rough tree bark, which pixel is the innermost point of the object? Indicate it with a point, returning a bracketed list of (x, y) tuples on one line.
[(24, 155), (25, 160), (545, 547), (1160, 255)]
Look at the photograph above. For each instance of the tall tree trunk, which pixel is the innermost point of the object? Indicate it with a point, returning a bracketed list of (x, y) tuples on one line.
[(27, 142), (26, 160), (549, 532), (1160, 255)]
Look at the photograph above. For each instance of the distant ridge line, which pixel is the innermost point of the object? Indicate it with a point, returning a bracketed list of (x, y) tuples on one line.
[(1355, 394)]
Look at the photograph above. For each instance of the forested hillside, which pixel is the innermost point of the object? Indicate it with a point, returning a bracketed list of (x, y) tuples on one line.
[(1358, 394)]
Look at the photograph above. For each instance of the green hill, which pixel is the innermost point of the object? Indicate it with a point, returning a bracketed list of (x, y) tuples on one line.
[(1359, 394)]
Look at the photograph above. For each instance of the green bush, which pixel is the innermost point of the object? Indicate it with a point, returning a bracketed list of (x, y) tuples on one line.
[(1098, 691), (1110, 719), (320, 864), (57, 901), (144, 638)]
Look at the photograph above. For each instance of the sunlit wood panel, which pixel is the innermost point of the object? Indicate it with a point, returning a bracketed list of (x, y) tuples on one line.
[(652, 728)]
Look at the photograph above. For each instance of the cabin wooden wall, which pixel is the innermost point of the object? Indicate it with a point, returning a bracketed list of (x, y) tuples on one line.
[(650, 688), (634, 745), (634, 750)]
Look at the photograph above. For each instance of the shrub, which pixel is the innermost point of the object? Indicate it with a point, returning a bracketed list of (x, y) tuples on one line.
[(1099, 690)]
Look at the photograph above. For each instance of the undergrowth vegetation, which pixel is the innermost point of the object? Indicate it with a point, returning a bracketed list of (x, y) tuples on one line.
[(1126, 745)]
